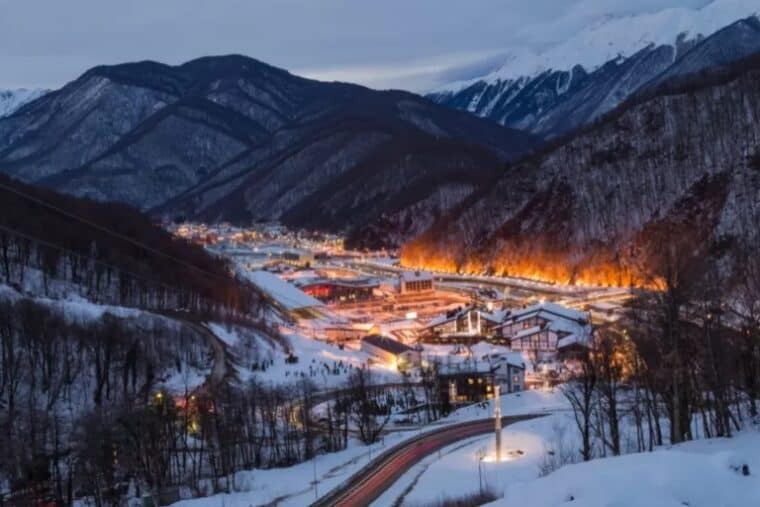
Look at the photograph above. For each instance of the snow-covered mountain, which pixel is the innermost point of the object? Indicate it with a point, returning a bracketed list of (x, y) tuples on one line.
[(573, 82), (12, 100), (231, 138)]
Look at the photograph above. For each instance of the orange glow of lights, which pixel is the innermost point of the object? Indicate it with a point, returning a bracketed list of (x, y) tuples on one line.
[(595, 269)]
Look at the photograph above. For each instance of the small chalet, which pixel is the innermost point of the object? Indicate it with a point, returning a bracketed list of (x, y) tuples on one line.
[(462, 325), (465, 382), (547, 330)]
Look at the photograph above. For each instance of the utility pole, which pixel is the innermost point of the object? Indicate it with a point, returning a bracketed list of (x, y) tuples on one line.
[(497, 420)]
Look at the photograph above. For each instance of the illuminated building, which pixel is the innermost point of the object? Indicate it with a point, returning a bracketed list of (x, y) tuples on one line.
[(464, 382), (339, 289), (391, 352), (546, 329)]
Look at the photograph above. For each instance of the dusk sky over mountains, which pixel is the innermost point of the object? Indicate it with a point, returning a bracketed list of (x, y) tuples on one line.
[(394, 43)]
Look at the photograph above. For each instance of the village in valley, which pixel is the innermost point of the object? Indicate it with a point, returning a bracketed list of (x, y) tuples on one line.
[(479, 381), (472, 332)]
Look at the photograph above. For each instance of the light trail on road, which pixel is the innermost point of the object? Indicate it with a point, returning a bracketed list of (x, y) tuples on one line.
[(368, 484)]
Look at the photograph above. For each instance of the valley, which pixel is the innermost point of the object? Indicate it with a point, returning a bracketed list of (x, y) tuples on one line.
[(485, 254)]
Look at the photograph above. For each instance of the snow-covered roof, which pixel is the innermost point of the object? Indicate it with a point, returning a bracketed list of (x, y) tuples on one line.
[(453, 367), (573, 339), (495, 315), (387, 344), (450, 316), (527, 332), (511, 358), (550, 308), (284, 293), (566, 322), (341, 282), (415, 276)]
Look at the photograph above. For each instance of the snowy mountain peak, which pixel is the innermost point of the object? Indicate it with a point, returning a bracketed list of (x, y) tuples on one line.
[(600, 67), (12, 100), (610, 37)]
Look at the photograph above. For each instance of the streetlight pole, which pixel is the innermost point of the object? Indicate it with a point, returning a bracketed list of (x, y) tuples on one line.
[(480, 455), (497, 420)]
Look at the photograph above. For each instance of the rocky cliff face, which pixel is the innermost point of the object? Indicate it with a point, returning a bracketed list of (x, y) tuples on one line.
[(231, 138), (680, 167), (554, 102)]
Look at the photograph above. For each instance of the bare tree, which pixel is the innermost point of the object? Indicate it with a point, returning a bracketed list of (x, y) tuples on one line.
[(368, 411), (580, 391)]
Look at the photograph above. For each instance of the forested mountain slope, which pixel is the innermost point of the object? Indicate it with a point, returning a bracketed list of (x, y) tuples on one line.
[(111, 251), (110, 348), (231, 138), (678, 167)]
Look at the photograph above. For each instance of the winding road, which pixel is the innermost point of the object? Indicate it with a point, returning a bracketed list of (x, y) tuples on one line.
[(365, 486)]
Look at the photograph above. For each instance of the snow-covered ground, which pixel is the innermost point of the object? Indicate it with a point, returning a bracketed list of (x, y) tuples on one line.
[(293, 486), (457, 465), (700, 473), (326, 365)]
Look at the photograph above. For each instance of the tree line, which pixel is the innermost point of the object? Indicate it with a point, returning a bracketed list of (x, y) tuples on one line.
[(683, 364), (113, 251)]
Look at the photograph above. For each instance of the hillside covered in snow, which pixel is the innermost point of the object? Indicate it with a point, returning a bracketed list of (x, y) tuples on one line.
[(577, 80), (12, 100)]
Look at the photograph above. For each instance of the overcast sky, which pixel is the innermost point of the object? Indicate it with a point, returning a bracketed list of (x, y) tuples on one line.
[(413, 44)]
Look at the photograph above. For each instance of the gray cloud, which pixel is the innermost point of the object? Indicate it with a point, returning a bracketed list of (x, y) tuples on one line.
[(389, 43)]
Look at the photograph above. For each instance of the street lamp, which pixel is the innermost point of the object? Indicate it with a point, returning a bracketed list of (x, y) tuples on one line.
[(497, 420)]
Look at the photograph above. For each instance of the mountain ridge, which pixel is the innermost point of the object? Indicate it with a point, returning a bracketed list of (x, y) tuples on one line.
[(554, 101), (232, 138)]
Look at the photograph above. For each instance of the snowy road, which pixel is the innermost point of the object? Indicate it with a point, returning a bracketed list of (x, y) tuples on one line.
[(369, 483)]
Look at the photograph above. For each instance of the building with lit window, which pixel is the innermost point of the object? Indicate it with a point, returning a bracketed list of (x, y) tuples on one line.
[(298, 258), (415, 282), (332, 290), (546, 330), (464, 382), (463, 325)]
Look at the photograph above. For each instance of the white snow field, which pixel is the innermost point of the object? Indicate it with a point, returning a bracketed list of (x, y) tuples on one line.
[(704, 473), (327, 366), (292, 486)]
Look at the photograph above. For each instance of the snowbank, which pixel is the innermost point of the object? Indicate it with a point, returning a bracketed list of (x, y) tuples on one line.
[(701, 473)]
